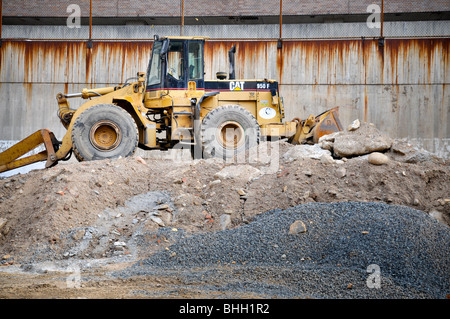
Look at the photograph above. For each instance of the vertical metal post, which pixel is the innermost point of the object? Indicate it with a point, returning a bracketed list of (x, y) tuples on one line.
[(280, 49), (182, 18), (89, 44), (281, 18), (90, 20), (1, 20), (382, 17), (381, 39), (280, 43)]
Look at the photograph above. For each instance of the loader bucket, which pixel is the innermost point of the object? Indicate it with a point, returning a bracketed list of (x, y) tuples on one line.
[(314, 127), (10, 159)]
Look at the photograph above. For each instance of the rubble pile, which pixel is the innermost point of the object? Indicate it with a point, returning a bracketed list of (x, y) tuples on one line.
[(134, 207)]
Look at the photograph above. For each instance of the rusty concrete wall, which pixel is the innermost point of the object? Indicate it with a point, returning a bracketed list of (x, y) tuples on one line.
[(33, 72), (401, 87)]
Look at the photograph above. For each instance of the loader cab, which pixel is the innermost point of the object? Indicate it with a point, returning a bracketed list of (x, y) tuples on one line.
[(175, 62)]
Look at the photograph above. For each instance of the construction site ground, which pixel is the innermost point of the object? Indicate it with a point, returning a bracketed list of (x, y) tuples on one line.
[(74, 230)]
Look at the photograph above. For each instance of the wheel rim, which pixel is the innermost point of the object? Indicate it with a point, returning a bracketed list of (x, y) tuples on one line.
[(105, 135), (230, 135)]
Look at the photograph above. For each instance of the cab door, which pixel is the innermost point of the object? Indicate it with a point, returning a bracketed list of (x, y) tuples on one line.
[(155, 67), (176, 68), (195, 63), (185, 63), (175, 63)]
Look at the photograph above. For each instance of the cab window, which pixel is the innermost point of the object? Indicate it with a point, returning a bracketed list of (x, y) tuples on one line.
[(175, 60), (154, 72), (195, 61)]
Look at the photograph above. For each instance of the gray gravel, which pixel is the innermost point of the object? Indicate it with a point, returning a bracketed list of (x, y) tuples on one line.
[(329, 260)]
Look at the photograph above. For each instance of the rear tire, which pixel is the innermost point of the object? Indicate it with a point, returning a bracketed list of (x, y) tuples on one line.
[(104, 131), (229, 130)]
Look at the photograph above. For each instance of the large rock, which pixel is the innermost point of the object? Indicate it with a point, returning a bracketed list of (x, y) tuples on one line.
[(326, 159), (305, 151), (244, 173), (354, 125), (404, 151), (297, 227), (326, 141), (364, 140), (376, 158)]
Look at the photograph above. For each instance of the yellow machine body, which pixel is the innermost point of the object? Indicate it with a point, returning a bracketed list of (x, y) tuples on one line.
[(172, 103)]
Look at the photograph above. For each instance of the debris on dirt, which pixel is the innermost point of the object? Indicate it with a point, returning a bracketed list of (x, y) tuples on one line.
[(297, 227), (305, 151), (404, 151), (360, 140), (354, 125), (377, 158), (131, 208), (241, 173)]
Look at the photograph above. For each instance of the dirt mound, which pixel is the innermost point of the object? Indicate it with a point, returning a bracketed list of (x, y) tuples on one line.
[(123, 210), (50, 211)]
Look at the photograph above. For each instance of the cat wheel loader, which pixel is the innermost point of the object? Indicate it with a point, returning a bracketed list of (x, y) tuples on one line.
[(168, 106)]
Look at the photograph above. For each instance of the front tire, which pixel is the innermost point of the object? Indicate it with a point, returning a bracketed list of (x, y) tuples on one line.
[(229, 130), (104, 131)]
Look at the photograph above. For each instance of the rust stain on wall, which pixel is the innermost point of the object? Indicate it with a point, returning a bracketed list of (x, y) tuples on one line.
[(62, 62), (88, 63), (28, 61), (35, 57), (252, 59), (323, 61), (365, 103), (29, 95), (393, 48), (407, 58), (280, 65), (112, 62)]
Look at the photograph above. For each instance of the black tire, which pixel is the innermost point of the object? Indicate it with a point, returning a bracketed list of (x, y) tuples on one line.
[(104, 131), (242, 125)]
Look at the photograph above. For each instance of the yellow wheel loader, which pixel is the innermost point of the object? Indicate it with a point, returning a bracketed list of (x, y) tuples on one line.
[(171, 105)]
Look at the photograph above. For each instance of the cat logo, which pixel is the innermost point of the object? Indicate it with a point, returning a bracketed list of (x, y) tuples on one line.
[(237, 85)]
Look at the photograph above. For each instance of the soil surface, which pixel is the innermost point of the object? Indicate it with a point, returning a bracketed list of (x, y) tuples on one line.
[(67, 231)]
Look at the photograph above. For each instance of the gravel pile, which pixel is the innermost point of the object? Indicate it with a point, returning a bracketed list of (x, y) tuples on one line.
[(338, 256)]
